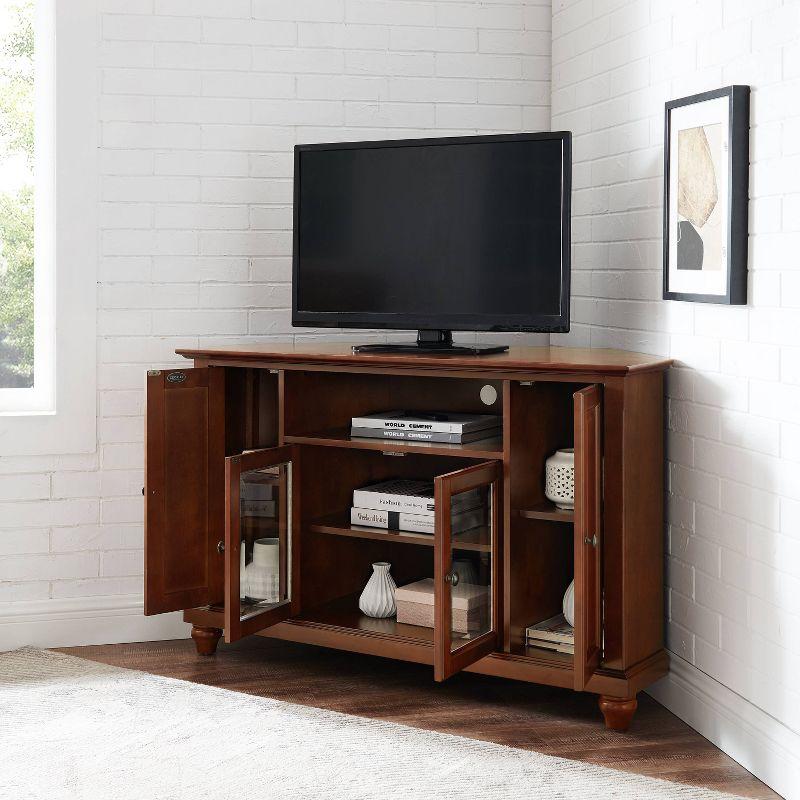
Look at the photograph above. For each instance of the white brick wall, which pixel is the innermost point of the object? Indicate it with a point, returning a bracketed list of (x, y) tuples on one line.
[(201, 104), (733, 561)]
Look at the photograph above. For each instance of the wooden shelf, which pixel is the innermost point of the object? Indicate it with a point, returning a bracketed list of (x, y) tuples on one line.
[(340, 437), (542, 655), (477, 539), (549, 511), (344, 614)]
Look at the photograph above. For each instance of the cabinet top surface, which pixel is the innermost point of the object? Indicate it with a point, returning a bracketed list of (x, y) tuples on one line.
[(547, 359)]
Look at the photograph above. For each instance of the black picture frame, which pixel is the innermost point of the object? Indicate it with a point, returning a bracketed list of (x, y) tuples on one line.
[(738, 164)]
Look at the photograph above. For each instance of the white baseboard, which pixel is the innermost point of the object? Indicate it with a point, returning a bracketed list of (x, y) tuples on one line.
[(759, 742), (85, 620)]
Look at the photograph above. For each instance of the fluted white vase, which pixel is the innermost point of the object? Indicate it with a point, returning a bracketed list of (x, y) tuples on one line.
[(377, 599), (568, 606)]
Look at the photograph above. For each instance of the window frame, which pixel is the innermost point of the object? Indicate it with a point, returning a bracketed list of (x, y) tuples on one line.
[(59, 414)]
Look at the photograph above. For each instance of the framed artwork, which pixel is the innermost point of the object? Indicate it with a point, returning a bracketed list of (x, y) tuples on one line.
[(706, 165)]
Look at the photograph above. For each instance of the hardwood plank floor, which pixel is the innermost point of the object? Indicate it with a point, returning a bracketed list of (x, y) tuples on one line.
[(548, 720)]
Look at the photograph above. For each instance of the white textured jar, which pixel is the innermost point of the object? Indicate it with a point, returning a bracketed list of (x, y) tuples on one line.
[(377, 600), (559, 478)]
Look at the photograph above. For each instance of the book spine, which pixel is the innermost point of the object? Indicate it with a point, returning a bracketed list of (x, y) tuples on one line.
[(413, 523), (408, 504), (417, 436), (392, 520), (424, 427), (258, 508)]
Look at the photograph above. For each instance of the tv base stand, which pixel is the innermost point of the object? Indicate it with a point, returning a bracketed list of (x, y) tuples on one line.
[(435, 342), (252, 447)]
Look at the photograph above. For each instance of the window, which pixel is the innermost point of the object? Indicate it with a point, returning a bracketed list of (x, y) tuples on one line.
[(49, 108), (26, 269)]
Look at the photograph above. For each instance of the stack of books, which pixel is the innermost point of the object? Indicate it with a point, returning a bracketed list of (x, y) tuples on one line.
[(407, 505), (437, 426), (552, 634)]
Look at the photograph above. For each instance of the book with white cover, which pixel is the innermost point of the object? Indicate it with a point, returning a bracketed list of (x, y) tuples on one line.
[(432, 422), (554, 629), (414, 523), (568, 649), (409, 497), (258, 508), (425, 436)]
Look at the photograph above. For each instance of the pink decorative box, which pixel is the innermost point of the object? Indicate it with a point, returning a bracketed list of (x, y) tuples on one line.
[(470, 605)]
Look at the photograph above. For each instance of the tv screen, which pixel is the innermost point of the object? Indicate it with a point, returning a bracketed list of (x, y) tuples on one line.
[(461, 234)]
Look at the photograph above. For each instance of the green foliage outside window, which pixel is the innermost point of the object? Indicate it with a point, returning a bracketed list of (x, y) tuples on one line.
[(16, 207)]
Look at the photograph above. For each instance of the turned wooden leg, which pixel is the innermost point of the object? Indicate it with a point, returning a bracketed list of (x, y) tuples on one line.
[(617, 711), (205, 640)]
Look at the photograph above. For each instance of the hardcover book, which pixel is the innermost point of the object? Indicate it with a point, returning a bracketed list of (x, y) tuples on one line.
[(433, 422), (409, 497), (414, 523), (568, 649), (425, 436), (553, 630)]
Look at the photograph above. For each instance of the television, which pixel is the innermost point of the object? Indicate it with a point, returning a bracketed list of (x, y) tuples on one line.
[(449, 234)]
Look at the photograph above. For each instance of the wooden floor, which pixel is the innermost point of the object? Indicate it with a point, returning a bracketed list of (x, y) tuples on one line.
[(554, 721)]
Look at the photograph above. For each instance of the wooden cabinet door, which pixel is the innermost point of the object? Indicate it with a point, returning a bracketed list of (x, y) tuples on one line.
[(262, 548), (466, 568), (184, 488), (588, 532)]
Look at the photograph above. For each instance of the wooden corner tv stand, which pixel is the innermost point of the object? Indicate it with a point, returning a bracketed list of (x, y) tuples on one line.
[(253, 442)]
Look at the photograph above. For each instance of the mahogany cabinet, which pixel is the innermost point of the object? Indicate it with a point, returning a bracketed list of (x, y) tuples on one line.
[(252, 443)]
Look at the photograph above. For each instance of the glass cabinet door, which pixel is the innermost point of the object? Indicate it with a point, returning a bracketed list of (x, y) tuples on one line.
[(260, 548), (467, 561)]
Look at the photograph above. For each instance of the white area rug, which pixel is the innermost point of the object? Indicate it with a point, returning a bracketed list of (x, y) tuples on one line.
[(71, 728)]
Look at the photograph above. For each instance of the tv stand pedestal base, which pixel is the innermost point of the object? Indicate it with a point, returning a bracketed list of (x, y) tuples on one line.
[(436, 342)]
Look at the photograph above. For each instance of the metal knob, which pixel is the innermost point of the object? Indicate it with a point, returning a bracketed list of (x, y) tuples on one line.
[(220, 547), (592, 541), (451, 578)]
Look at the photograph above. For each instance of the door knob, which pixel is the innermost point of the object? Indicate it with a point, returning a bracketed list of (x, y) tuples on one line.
[(592, 541), (451, 578), (220, 547)]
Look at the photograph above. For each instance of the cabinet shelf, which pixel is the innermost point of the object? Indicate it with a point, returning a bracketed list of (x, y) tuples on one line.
[(340, 437), (345, 615), (477, 539), (549, 511)]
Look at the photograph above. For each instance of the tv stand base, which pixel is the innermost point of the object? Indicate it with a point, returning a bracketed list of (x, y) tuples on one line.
[(436, 342)]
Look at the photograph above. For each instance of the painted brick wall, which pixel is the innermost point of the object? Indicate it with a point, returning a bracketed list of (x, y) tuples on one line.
[(201, 104), (733, 561)]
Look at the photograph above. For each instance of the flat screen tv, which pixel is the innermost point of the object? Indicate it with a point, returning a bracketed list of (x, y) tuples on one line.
[(439, 235)]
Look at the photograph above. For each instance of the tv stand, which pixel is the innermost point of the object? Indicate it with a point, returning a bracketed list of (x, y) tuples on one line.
[(275, 419), (436, 342)]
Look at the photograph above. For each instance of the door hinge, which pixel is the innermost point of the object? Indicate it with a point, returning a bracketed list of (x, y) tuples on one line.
[(527, 383), (392, 453)]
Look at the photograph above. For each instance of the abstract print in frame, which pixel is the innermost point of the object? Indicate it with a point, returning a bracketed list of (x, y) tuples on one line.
[(706, 164)]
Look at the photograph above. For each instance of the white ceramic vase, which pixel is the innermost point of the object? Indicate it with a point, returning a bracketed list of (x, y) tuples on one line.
[(568, 606), (243, 573), (559, 478), (263, 573), (377, 599)]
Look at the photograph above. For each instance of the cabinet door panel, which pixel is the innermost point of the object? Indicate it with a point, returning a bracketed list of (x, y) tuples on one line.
[(184, 472), (588, 532), (261, 546), (466, 587)]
